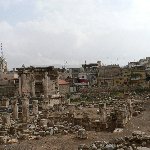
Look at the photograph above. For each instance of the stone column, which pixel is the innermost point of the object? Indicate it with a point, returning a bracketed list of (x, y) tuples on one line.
[(24, 84), (20, 86), (33, 88), (45, 85), (25, 109), (104, 112), (35, 107), (130, 108), (23, 77), (32, 80), (15, 109)]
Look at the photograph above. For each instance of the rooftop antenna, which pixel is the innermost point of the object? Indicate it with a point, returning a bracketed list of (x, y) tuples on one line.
[(2, 50), (65, 63)]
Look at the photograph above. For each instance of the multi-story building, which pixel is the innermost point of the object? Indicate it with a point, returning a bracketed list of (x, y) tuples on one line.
[(132, 64), (107, 74), (73, 72), (138, 76), (92, 70)]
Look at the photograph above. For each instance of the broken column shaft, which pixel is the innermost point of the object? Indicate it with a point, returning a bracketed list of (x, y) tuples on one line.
[(15, 109), (35, 107), (25, 109), (102, 111)]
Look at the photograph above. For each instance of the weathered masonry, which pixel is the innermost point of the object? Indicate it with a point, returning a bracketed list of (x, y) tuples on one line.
[(37, 81)]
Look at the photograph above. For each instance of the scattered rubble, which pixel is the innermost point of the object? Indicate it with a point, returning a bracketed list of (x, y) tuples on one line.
[(28, 123), (138, 140)]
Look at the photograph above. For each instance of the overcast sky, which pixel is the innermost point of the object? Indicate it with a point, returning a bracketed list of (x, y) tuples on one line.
[(47, 32)]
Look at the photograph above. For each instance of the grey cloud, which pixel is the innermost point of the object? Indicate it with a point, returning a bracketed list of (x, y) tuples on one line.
[(77, 31)]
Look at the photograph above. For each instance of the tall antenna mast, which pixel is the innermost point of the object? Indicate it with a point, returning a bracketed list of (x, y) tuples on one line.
[(2, 50)]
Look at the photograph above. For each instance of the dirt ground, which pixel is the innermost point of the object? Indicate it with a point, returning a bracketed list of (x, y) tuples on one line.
[(68, 142)]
